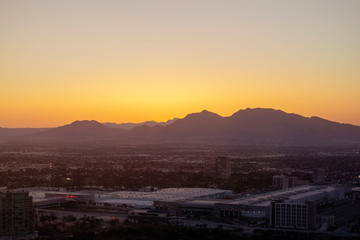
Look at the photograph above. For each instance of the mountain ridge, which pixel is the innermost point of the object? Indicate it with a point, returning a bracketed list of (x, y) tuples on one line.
[(80, 129), (251, 126), (258, 125), (129, 125)]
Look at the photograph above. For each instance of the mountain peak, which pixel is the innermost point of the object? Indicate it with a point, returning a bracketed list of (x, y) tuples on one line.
[(202, 114), (85, 128), (205, 111), (259, 112), (84, 121), (86, 124)]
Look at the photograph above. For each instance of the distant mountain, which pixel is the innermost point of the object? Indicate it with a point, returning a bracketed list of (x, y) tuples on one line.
[(277, 126), (255, 126), (129, 126), (6, 133), (203, 124), (249, 126), (81, 129)]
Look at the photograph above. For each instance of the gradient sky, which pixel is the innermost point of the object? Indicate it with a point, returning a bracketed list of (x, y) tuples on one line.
[(132, 61)]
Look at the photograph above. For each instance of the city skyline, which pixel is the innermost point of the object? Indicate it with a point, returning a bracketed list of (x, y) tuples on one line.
[(134, 61)]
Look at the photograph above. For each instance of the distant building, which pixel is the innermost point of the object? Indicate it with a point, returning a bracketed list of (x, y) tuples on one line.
[(280, 182), (52, 199), (205, 202), (302, 182), (218, 168), (284, 182), (218, 204), (292, 181), (17, 217), (223, 167), (80, 198), (295, 215), (319, 176), (326, 222)]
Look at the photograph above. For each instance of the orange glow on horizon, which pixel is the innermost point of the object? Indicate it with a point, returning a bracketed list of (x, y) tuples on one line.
[(135, 61)]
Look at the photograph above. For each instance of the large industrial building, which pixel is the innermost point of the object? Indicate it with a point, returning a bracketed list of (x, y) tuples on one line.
[(212, 203), (148, 199), (253, 206), (49, 199), (295, 215)]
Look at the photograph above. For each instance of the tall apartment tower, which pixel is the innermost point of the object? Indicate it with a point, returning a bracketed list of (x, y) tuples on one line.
[(16, 214), (283, 182), (219, 167), (223, 167), (280, 182), (319, 176)]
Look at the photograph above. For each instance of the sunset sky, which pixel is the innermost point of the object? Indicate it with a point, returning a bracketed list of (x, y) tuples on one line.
[(132, 61)]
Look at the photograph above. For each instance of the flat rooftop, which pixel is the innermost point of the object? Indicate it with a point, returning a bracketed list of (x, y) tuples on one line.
[(41, 195), (292, 194), (197, 196), (168, 194), (202, 202), (126, 201)]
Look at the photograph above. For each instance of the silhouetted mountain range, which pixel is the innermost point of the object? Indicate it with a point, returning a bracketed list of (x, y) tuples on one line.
[(129, 126), (19, 132), (249, 126), (79, 129), (253, 126)]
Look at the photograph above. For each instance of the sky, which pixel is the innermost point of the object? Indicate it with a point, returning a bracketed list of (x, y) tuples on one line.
[(133, 61)]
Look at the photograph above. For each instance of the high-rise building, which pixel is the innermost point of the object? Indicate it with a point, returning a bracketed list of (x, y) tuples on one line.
[(292, 181), (223, 167), (283, 182), (296, 215), (319, 176), (219, 167), (209, 167), (16, 214), (280, 182)]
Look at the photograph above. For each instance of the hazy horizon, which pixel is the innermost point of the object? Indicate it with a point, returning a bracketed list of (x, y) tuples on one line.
[(134, 61), (173, 118)]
